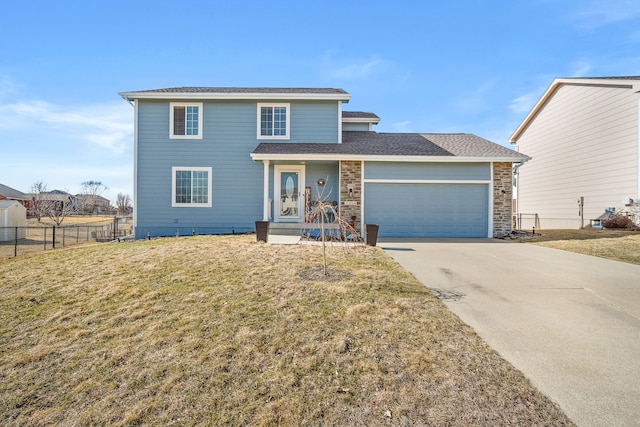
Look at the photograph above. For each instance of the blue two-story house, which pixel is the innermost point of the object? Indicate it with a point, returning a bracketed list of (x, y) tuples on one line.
[(215, 160)]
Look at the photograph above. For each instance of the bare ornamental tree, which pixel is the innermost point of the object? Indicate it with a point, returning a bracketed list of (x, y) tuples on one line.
[(325, 217), (123, 203), (91, 190), (55, 205)]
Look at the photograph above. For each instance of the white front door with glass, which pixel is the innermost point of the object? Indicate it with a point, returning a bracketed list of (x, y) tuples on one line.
[(289, 193)]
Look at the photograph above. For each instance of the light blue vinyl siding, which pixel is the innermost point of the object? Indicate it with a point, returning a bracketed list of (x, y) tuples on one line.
[(427, 171), (428, 210), (328, 172), (228, 138), (314, 122), (355, 126)]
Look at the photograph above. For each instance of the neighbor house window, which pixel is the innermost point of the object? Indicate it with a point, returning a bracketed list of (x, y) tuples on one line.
[(273, 121), (186, 120), (191, 187)]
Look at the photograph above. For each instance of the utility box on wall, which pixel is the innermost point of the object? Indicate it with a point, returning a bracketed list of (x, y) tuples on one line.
[(12, 215)]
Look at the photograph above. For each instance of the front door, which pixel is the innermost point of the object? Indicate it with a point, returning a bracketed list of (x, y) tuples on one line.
[(289, 193)]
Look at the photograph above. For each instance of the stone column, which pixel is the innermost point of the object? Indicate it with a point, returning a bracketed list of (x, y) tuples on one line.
[(351, 193), (502, 198)]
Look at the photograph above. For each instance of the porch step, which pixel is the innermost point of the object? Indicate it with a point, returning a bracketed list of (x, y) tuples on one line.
[(295, 228)]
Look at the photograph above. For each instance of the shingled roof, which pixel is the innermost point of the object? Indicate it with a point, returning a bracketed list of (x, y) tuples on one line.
[(12, 193), (238, 93), (358, 144), (359, 115)]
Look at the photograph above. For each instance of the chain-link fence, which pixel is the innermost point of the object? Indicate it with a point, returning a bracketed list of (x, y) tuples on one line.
[(16, 241)]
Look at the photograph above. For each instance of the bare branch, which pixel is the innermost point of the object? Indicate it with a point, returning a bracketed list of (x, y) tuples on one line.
[(325, 216)]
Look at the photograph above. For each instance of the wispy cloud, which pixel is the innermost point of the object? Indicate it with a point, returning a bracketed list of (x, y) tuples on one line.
[(478, 98), (108, 126), (352, 68), (596, 13), (524, 103), (403, 126), (582, 69), (7, 86)]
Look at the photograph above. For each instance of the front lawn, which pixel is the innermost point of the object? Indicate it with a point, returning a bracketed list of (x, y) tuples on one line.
[(619, 245), (219, 331)]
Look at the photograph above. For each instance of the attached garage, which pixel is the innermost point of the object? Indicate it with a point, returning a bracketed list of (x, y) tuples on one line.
[(427, 199), (428, 210)]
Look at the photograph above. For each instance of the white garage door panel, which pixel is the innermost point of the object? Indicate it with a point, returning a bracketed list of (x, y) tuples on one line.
[(428, 210)]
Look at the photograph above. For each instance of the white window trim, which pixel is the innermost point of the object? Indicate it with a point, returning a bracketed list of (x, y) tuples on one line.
[(185, 104), (259, 123), (174, 169)]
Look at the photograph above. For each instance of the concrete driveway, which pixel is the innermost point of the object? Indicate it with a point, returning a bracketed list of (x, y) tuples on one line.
[(570, 322)]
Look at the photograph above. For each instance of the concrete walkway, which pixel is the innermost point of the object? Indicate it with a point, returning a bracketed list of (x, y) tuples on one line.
[(570, 322)]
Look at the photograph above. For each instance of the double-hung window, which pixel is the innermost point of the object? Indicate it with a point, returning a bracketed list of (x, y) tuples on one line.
[(185, 120), (273, 121), (191, 187)]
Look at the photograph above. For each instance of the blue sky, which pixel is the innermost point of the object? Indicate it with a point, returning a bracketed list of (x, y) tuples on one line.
[(422, 66)]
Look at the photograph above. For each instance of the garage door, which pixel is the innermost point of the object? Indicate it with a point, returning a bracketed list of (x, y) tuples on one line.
[(428, 210)]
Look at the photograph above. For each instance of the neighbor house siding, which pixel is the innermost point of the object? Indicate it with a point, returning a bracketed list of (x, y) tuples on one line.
[(583, 143)]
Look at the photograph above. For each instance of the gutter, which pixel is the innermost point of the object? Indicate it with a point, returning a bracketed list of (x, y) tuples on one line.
[(386, 158), (126, 98)]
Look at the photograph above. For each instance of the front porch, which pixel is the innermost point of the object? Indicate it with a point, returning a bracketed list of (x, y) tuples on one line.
[(292, 190)]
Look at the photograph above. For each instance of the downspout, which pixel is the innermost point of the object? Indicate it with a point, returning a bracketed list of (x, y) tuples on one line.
[(135, 165), (491, 204), (339, 122)]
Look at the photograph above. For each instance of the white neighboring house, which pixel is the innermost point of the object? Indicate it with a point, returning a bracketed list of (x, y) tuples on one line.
[(582, 136)]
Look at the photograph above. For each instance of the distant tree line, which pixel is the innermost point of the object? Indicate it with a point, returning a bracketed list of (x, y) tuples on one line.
[(57, 205)]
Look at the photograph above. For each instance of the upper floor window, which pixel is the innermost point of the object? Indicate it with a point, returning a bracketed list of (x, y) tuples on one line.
[(191, 187), (273, 121), (186, 120)]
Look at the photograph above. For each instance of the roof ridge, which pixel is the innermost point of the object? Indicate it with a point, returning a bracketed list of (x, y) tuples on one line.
[(602, 78), (235, 89)]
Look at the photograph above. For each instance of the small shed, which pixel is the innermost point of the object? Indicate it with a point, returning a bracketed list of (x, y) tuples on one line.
[(12, 215)]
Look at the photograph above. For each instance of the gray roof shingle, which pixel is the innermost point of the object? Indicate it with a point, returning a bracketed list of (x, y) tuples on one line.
[(359, 115), (12, 193), (243, 90), (396, 144), (604, 78)]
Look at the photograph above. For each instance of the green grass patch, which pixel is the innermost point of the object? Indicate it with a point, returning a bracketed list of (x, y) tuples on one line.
[(224, 331)]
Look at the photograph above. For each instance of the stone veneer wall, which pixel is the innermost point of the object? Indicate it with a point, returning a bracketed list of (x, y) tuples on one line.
[(502, 199), (351, 203)]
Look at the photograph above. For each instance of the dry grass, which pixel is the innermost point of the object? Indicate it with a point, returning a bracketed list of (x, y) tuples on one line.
[(225, 331), (619, 245)]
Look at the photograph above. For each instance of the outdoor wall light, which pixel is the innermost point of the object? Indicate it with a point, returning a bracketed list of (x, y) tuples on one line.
[(321, 182)]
